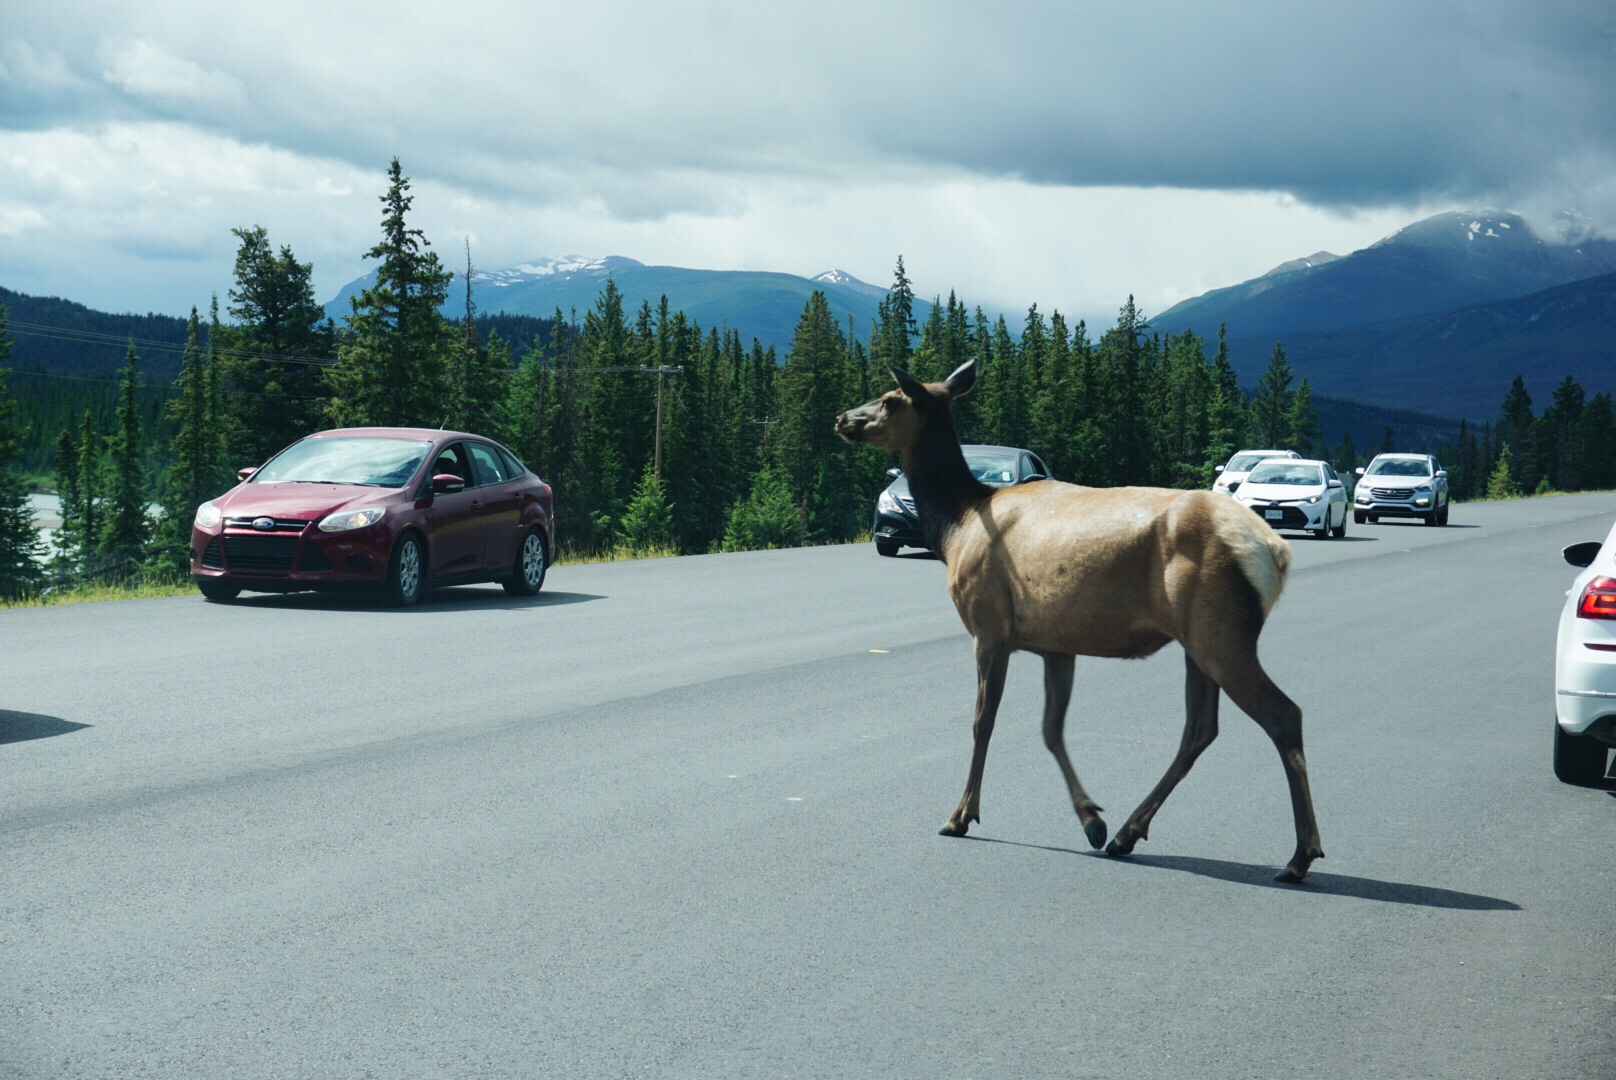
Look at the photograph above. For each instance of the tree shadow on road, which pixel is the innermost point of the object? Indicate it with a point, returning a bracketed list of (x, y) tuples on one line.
[(1326, 884), (23, 726)]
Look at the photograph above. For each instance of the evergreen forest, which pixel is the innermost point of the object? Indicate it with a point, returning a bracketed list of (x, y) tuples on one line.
[(658, 435)]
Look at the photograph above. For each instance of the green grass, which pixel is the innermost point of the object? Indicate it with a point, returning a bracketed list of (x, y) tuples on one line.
[(94, 592)]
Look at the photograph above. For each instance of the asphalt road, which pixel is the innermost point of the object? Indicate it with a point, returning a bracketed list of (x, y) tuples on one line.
[(678, 819)]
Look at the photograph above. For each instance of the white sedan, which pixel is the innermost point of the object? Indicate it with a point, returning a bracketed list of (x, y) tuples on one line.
[(1585, 667), (1296, 494)]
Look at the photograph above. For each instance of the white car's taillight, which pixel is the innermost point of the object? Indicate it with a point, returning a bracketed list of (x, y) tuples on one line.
[(1598, 599)]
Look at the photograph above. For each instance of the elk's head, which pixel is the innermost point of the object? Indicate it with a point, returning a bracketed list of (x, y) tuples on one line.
[(895, 420)]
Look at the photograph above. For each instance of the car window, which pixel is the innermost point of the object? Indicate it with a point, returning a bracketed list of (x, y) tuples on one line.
[(516, 468), (1398, 467), (452, 461), (992, 468), (1247, 462), (345, 459), (489, 465), (1029, 467), (1284, 471)]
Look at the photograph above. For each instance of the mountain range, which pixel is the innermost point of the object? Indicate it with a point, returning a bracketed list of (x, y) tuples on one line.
[(1440, 316), (761, 305)]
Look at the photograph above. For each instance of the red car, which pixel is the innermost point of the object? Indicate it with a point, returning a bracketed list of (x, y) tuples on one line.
[(399, 508)]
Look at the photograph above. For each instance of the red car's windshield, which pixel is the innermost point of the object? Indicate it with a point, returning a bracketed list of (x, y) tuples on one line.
[(372, 462)]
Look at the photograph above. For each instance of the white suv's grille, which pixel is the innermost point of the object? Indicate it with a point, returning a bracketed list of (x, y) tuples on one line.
[(1390, 493)]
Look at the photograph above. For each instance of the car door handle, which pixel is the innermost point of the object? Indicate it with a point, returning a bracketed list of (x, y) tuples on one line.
[(476, 506)]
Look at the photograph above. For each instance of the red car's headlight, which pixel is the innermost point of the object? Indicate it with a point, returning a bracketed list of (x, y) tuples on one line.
[(344, 520)]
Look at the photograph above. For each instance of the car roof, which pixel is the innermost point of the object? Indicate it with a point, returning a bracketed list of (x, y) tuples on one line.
[(1303, 461), (1403, 456), (989, 446), (398, 433)]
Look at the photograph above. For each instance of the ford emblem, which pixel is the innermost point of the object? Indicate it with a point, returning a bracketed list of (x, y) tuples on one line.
[(263, 524)]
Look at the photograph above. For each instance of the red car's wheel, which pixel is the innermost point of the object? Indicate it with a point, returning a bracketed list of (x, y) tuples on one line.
[(527, 573), (406, 571)]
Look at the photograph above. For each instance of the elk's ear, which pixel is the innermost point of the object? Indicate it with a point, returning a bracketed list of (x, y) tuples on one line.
[(912, 388), (963, 379)]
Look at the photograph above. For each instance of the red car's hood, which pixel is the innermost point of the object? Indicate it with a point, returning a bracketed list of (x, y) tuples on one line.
[(303, 502)]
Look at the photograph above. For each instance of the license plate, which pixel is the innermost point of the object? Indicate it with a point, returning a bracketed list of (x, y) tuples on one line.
[(1273, 515)]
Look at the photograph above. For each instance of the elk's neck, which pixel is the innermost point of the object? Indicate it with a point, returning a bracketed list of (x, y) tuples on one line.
[(941, 483)]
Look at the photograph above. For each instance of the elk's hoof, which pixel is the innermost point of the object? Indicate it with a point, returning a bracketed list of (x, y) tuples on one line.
[(951, 829), (1297, 870), (1095, 831), (1124, 842)]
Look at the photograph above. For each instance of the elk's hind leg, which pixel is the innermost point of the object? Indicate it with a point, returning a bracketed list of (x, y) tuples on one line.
[(1200, 728), (1057, 694), (1249, 686), (992, 661)]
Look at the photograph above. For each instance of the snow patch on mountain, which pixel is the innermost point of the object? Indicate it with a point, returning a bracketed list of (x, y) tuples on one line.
[(562, 266)]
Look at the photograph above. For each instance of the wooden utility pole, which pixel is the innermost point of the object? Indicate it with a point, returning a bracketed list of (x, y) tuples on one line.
[(661, 372)]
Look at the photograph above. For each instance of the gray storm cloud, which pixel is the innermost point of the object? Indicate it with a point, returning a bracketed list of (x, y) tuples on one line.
[(1340, 105)]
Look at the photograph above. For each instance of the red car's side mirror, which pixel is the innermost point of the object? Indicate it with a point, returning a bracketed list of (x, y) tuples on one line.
[(444, 483), (247, 472)]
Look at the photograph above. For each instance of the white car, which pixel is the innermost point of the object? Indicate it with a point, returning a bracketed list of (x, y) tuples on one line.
[(1402, 485), (1231, 476), (1295, 493), (1585, 667)]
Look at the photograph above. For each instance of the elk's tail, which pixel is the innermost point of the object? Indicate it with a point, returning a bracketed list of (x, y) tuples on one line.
[(1266, 559)]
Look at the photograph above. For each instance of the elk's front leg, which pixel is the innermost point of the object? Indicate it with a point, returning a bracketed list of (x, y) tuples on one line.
[(1057, 695), (992, 660)]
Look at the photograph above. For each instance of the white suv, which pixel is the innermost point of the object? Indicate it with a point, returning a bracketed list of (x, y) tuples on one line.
[(1402, 485), (1229, 476)]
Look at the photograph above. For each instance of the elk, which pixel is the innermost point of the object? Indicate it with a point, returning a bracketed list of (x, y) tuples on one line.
[(1063, 571)]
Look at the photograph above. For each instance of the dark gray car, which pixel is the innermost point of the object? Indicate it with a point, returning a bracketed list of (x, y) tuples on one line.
[(896, 523)]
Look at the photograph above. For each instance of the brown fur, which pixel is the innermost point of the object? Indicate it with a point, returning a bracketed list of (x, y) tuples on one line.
[(1063, 571)]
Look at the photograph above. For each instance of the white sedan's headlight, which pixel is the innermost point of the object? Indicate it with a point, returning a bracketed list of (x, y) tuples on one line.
[(207, 516), (343, 520)]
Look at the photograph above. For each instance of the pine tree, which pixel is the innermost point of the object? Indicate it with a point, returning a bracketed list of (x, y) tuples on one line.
[(272, 360), (193, 478), (390, 367), (1501, 484), (647, 523), (767, 518), (20, 547), (1304, 422), (90, 495), (68, 540), (818, 381), (1272, 420), (125, 526)]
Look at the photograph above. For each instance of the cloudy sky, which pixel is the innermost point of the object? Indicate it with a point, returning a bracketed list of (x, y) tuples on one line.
[(1067, 154)]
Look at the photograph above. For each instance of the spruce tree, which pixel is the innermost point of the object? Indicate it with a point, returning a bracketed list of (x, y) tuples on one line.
[(647, 523), (272, 359), (1502, 484), (1272, 419), (20, 547), (818, 381), (90, 495), (68, 541), (193, 477), (125, 525), (391, 368)]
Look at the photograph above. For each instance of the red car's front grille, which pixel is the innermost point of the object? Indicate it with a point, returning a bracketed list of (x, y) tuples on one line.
[(313, 559), (213, 557), (260, 554)]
